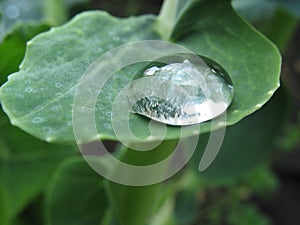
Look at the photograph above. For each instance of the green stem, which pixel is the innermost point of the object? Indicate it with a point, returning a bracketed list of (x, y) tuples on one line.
[(165, 214), (55, 12), (167, 17), (134, 205)]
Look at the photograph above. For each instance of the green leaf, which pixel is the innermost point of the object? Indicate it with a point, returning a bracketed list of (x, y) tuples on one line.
[(26, 164), (250, 59), (12, 48), (49, 75), (54, 72), (246, 144), (76, 195)]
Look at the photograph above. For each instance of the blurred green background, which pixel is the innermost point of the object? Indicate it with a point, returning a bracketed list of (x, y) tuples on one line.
[(254, 180)]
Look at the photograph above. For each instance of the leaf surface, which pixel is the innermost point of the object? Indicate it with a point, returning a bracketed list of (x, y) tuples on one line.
[(39, 97)]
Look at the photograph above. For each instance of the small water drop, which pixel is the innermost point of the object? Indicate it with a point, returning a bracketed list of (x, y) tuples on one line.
[(49, 139), (271, 92), (39, 108), (58, 85), (258, 106), (57, 108), (181, 90), (21, 96), (107, 126), (47, 129), (37, 120), (28, 90), (13, 122)]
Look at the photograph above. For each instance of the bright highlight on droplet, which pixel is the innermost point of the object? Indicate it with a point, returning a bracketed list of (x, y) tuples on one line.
[(181, 90)]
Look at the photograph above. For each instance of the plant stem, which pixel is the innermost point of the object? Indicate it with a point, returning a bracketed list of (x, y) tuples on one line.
[(134, 204), (55, 12), (167, 16)]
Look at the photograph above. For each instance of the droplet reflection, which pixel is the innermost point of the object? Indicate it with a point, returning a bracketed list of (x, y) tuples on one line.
[(183, 91)]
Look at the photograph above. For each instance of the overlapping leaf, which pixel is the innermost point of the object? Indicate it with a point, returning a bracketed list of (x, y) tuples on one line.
[(26, 165), (76, 195)]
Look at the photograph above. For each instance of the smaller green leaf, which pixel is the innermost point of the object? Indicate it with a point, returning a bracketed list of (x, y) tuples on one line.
[(12, 48), (26, 164), (76, 195)]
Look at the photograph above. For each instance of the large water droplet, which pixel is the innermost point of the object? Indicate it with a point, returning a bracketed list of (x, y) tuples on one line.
[(181, 90)]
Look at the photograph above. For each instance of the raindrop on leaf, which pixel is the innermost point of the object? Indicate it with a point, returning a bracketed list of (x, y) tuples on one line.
[(181, 90)]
